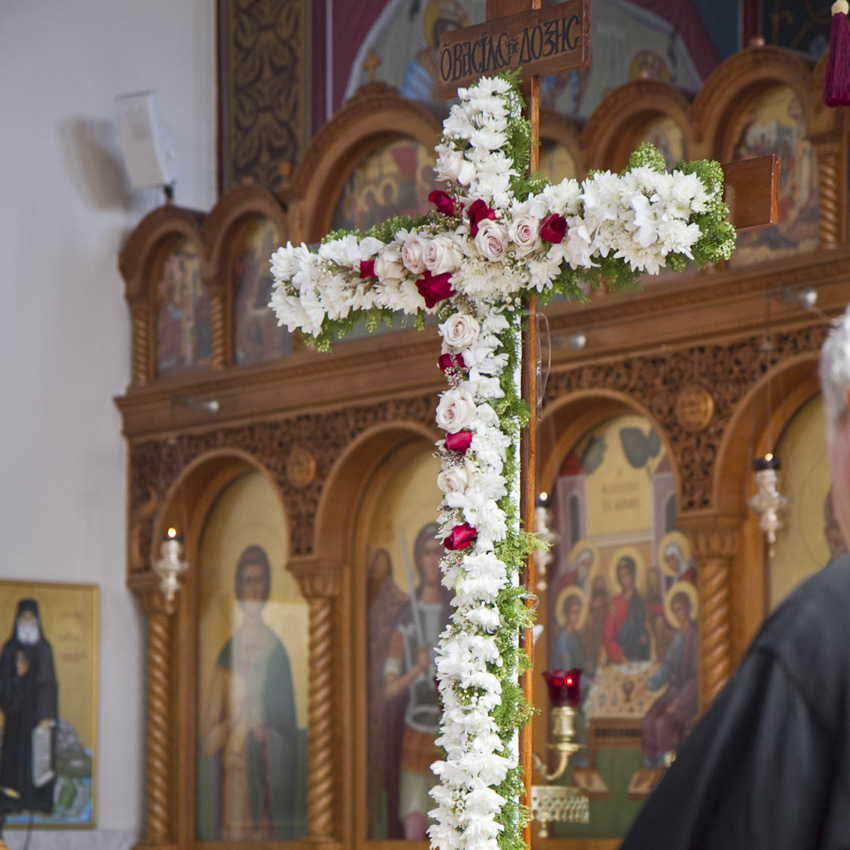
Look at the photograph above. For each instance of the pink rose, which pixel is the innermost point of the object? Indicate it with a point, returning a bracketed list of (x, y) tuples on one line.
[(453, 480), (444, 202), (553, 228), (456, 410), (491, 240), (459, 331), (458, 442), (412, 254), (442, 255), (434, 288), (478, 212), (460, 537), (524, 232)]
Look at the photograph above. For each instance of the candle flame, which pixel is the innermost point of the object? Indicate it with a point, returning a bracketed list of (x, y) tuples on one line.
[(543, 495), (769, 456), (172, 533)]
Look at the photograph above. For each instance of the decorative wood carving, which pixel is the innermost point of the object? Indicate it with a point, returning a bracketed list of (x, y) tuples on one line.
[(727, 372), (832, 174), (713, 540), (320, 784), (158, 797), (156, 465)]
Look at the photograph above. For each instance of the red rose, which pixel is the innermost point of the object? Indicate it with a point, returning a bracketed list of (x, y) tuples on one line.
[(443, 202), (478, 211), (451, 361), (460, 537), (553, 228), (434, 288), (459, 441), (367, 268)]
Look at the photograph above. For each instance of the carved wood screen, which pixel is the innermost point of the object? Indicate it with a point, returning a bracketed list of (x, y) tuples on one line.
[(685, 355)]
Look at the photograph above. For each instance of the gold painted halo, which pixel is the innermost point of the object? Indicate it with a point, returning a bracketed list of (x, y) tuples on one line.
[(680, 587), (584, 543), (450, 9), (571, 590), (684, 547), (640, 565)]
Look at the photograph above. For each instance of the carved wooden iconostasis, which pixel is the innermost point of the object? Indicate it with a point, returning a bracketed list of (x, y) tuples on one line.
[(241, 437)]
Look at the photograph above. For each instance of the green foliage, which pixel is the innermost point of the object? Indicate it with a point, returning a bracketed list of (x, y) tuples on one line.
[(718, 235), (647, 155)]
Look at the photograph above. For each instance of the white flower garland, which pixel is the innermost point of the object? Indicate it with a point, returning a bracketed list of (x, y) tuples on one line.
[(471, 263)]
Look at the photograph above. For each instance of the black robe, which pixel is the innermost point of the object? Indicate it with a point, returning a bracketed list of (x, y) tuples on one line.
[(768, 767), (26, 701)]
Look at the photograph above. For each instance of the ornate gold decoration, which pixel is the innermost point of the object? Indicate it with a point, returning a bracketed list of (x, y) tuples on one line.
[(262, 73), (694, 408), (300, 467)]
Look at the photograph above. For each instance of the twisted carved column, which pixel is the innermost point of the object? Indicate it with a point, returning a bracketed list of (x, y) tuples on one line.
[(830, 184), (713, 540), (140, 320), (218, 331), (157, 828), (321, 591)]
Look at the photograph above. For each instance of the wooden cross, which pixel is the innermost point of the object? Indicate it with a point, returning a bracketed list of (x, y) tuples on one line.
[(369, 65), (519, 35)]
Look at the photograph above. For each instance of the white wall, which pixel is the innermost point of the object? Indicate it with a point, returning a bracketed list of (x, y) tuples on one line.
[(65, 212)]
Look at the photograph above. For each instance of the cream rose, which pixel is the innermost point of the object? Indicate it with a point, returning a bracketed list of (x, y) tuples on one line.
[(413, 254), (388, 267), (442, 255), (456, 410), (524, 232), (459, 331), (491, 240), (453, 480)]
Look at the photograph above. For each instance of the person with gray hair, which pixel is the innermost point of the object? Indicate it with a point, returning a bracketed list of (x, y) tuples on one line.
[(768, 766)]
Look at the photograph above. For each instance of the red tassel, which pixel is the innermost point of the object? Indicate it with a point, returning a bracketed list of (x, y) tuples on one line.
[(836, 77)]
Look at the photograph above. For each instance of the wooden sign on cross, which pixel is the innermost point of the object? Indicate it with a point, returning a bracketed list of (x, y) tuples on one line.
[(521, 36)]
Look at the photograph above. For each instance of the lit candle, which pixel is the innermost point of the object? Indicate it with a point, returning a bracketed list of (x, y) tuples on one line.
[(563, 687), (769, 461)]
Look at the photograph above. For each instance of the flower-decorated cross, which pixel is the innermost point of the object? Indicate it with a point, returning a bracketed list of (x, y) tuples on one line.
[(498, 239)]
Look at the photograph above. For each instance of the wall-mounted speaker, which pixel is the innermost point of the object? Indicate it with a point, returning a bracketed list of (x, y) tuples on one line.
[(148, 153)]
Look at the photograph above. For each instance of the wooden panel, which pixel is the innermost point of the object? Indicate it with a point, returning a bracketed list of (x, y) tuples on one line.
[(752, 192), (537, 42)]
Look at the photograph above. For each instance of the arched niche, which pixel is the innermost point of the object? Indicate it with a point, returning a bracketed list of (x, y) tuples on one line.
[(166, 247), (378, 483), (241, 232), (377, 116), (637, 112), (609, 470), (227, 505), (760, 418), (561, 154)]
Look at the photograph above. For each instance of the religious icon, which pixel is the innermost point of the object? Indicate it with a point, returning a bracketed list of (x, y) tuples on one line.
[(251, 768), (408, 691), (48, 712)]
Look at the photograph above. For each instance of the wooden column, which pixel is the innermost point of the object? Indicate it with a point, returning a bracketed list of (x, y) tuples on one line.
[(141, 336), (713, 540), (831, 182), (321, 588), (218, 321), (158, 766)]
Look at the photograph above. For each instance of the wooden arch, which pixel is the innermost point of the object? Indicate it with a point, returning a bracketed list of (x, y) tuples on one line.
[(376, 114)]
